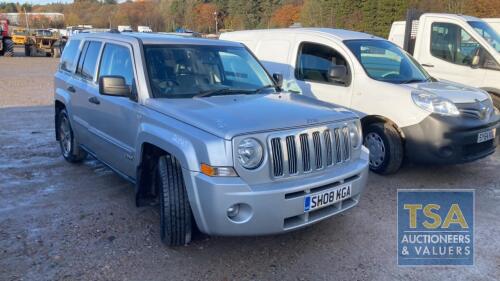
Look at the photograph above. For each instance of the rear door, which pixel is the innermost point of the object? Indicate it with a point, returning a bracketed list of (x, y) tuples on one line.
[(116, 119), (83, 87), (314, 56)]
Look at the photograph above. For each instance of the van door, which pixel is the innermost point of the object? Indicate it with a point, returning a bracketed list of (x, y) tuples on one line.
[(117, 118), (451, 54), (85, 88), (314, 57)]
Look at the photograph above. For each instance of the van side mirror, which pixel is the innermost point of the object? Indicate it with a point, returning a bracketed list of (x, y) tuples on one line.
[(475, 61), (338, 73), (114, 86), (278, 78)]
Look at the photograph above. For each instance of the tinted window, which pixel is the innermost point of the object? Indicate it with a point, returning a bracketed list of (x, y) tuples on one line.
[(116, 60), (315, 60), (69, 55), (451, 43), (88, 60), (183, 71)]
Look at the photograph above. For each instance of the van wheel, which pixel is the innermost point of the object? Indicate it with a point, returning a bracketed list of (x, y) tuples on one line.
[(386, 148), (67, 140), (175, 212)]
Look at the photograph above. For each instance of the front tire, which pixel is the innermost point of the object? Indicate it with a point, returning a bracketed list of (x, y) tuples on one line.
[(386, 148), (496, 100), (67, 140), (175, 212)]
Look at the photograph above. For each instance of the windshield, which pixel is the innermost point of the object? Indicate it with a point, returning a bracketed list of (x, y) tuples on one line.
[(488, 33), (185, 71), (386, 62)]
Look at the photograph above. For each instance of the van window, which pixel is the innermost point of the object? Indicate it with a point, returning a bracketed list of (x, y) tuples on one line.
[(88, 60), (116, 60), (314, 61), (453, 44), (69, 55)]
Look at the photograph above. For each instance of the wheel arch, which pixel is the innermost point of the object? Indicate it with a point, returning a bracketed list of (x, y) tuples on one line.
[(370, 119)]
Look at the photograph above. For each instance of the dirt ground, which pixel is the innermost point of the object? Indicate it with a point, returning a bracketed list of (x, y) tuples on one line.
[(60, 221)]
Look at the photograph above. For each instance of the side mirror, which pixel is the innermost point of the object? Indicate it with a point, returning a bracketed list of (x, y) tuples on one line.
[(113, 86), (338, 73), (475, 61), (278, 78)]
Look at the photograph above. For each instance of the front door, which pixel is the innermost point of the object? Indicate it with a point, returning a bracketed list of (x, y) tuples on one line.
[(312, 63), (117, 119), (452, 51)]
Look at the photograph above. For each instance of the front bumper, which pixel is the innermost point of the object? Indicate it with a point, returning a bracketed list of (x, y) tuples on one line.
[(269, 208), (449, 140)]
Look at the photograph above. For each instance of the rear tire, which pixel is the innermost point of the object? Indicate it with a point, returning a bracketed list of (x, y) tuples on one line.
[(56, 53), (175, 212), (67, 140), (386, 148), (9, 48)]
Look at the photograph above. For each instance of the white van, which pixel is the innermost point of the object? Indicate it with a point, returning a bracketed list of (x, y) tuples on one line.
[(458, 48), (405, 112)]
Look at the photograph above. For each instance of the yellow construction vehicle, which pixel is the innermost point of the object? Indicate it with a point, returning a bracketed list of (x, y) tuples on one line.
[(19, 36), (43, 42)]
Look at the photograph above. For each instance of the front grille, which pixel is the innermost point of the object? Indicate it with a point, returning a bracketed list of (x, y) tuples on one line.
[(476, 110), (294, 154)]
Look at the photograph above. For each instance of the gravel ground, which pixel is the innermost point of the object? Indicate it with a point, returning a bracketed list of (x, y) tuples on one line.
[(78, 222)]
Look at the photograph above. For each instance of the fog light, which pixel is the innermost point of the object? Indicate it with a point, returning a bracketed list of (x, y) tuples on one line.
[(233, 211)]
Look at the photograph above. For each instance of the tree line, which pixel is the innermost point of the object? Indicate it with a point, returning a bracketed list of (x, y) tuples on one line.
[(372, 16)]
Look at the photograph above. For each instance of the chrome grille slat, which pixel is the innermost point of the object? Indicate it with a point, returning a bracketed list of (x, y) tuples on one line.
[(306, 155), (292, 155), (308, 150), (317, 150), (346, 143), (277, 157), (328, 148)]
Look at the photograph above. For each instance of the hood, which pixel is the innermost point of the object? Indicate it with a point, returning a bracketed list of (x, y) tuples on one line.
[(231, 115), (454, 92)]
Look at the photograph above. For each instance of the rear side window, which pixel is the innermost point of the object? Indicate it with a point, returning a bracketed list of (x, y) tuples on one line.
[(69, 55), (315, 60), (116, 60), (88, 60)]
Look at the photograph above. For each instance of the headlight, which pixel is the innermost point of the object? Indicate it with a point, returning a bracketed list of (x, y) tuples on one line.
[(432, 103), (355, 133), (250, 153)]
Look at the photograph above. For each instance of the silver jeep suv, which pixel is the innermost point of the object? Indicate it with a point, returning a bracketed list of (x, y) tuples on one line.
[(199, 127)]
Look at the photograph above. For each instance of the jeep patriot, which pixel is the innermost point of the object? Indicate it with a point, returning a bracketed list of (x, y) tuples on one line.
[(200, 128)]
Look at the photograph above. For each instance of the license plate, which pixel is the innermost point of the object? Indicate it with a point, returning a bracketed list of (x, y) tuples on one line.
[(485, 136), (327, 197)]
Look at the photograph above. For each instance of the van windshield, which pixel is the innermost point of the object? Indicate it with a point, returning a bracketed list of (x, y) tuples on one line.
[(186, 71), (384, 61), (488, 33)]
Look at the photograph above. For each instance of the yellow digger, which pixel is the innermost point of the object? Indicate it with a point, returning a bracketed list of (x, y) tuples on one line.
[(43, 42)]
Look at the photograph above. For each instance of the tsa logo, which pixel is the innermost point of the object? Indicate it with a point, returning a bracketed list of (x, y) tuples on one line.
[(435, 227)]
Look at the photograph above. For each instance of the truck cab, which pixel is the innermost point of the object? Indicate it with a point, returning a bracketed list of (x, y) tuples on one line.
[(457, 48)]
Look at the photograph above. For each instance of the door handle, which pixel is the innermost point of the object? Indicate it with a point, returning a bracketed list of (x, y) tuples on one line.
[(94, 100), (427, 65), (71, 89)]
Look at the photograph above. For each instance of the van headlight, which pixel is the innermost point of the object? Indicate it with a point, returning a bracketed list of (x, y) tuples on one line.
[(355, 133), (250, 153), (432, 103)]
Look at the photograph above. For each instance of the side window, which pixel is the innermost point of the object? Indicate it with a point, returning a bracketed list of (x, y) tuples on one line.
[(453, 44), (69, 55), (88, 60), (116, 60), (314, 61)]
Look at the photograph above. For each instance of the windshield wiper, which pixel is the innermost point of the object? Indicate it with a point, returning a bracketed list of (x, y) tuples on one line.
[(210, 93), (222, 91), (414, 81)]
